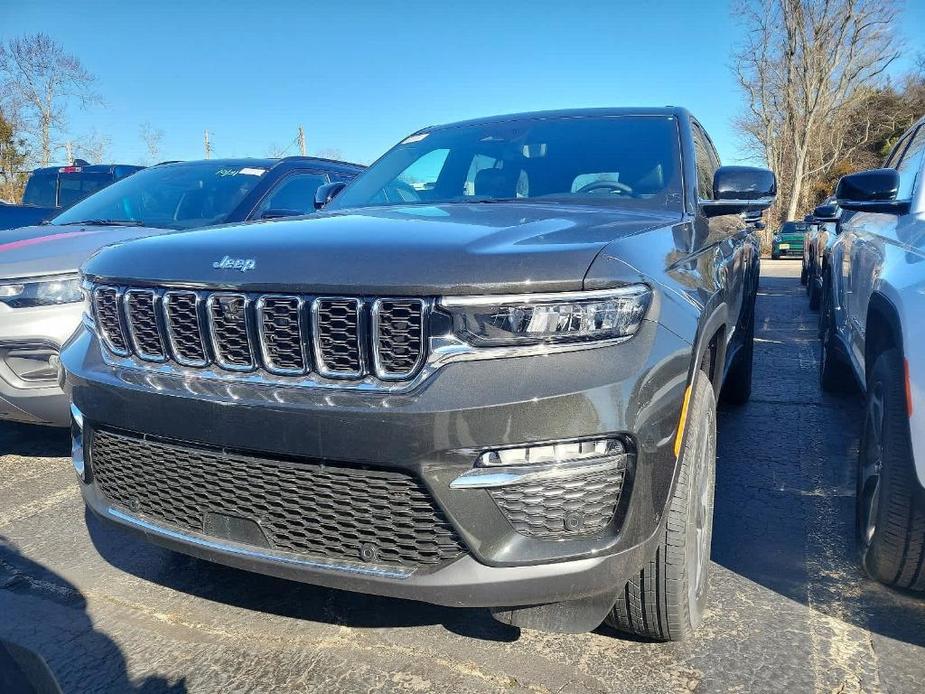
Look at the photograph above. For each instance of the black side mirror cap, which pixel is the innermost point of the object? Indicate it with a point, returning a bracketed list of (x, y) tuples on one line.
[(327, 192), (826, 213), (738, 189), (871, 191)]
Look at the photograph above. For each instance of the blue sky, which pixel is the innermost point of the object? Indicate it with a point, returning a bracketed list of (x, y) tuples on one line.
[(361, 75)]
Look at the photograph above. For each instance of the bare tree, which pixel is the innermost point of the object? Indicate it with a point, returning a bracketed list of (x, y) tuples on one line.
[(39, 80), (330, 153), (804, 66), (93, 147), (152, 138)]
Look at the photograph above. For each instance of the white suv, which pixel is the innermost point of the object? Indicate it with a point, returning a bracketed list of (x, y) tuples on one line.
[(873, 325)]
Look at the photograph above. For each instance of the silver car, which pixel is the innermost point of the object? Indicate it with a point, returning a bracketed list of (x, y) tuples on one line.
[(40, 295), (873, 328)]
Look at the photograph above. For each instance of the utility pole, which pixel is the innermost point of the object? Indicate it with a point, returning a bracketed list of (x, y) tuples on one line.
[(70, 153), (207, 145), (301, 139)]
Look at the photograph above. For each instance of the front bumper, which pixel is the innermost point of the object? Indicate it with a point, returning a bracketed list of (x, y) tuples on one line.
[(435, 433), (47, 327)]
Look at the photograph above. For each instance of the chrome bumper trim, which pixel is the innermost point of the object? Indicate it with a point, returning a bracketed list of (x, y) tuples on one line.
[(240, 550), (492, 477)]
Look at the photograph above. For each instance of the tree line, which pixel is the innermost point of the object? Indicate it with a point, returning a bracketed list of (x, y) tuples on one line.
[(813, 75), (818, 103)]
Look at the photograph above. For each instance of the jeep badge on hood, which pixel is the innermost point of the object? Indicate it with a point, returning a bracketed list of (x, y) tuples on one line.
[(229, 263)]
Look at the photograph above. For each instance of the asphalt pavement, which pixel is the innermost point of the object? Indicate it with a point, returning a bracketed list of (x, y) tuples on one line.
[(789, 609)]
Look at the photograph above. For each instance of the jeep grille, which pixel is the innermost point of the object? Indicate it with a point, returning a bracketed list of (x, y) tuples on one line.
[(336, 337)]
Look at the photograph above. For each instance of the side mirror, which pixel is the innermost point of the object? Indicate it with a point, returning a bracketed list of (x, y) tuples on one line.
[(738, 189), (871, 191), (826, 213), (327, 192)]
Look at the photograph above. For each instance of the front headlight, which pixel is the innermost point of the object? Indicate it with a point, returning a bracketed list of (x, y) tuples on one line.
[(47, 291), (492, 321), (776, 238)]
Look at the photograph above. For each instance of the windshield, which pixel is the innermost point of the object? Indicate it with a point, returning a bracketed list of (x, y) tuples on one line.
[(175, 196), (631, 160), (793, 228)]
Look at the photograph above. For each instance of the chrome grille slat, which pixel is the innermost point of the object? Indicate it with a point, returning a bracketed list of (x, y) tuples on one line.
[(398, 337), (319, 341), (229, 328), (106, 304), (336, 337), (141, 308), (184, 328), (282, 343)]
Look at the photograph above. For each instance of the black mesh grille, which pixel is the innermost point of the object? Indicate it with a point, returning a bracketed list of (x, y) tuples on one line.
[(182, 319), (141, 312), (107, 317), (384, 517), (399, 336), (337, 330), (567, 507), (228, 313), (281, 334)]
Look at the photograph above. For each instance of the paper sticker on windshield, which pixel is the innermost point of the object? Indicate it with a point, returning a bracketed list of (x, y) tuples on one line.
[(252, 172), (414, 138)]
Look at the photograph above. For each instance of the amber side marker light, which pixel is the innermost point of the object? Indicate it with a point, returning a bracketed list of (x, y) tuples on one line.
[(682, 422), (908, 388)]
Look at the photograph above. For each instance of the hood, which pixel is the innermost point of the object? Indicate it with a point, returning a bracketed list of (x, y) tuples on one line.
[(49, 249), (421, 250)]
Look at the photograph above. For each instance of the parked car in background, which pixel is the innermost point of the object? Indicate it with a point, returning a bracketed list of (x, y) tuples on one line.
[(52, 189), (788, 241), (825, 220), (809, 237), (874, 335), (507, 400), (39, 290)]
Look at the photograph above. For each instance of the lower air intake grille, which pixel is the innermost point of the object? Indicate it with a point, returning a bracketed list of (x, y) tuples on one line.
[(562, 508), (383, 517)]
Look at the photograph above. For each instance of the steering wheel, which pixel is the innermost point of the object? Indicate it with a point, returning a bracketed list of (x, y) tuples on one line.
[(610, 186)]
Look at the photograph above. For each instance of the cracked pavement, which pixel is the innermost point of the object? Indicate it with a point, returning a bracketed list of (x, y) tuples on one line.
[(789, 609)]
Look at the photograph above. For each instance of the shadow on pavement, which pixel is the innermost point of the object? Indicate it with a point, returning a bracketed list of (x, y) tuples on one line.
[(81, 657), (33, 440), (230, 586), (784, 513)]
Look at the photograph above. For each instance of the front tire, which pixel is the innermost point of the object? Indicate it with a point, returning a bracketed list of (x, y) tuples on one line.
[(890, 507), (815, 295), (666, 601)]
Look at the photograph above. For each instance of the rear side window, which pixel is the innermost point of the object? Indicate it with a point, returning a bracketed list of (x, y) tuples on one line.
[(910, 165), (73, 188), (40, 190)]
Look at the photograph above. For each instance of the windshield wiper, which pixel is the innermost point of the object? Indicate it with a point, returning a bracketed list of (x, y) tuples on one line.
[(106, 223)]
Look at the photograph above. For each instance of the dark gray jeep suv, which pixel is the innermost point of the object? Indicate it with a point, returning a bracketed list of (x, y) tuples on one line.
[(485, 375)]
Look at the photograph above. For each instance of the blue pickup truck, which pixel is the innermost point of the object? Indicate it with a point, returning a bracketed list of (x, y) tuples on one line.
[(54, 188)]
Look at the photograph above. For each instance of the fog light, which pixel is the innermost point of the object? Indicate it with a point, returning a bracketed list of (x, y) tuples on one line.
[(574, 451)]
